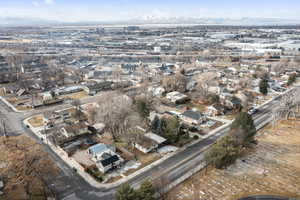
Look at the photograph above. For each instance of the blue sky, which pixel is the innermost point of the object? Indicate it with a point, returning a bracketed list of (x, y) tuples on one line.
[(107, 10)]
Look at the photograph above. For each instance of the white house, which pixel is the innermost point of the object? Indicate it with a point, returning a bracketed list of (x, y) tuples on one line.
[(176, 97), (105, 157)]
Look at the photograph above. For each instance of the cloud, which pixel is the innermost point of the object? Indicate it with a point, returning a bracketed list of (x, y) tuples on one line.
[(35, 4), (49, 2)]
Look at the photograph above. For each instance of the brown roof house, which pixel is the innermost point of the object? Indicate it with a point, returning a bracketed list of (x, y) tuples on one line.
[(149, 142), (74, 130)]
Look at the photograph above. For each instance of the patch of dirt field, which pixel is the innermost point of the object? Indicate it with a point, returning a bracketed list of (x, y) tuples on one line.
[(20, 161), (273, 167), (36, 121), (77, 95)]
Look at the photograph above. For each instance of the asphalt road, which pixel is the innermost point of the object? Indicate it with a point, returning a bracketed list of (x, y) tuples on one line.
[(70, 186), (267, 197)]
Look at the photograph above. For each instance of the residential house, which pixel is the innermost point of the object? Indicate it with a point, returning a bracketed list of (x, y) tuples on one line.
[(176, 97), (149, 142), (105, 157), (193, 117), (97, 128), (93, 89), (233, 103), (156, 91), (74, 130), (215, 110)]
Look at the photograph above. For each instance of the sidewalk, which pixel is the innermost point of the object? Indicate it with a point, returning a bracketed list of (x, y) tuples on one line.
[(225, 121)]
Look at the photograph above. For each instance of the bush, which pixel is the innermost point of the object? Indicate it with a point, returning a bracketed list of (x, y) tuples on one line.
[(145, 192), (214, 99), (195, 137), (126, 192), (292, 79), (95, 173)]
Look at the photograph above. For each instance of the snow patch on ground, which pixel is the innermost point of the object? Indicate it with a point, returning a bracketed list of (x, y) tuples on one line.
[(167, 149)]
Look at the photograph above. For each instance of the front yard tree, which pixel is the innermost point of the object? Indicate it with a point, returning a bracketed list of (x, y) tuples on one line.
[(143, 107), (126, 192), (155, 124), (263, 86), (292, 79), (117, 114), (223, 153), (243, 127), (171, 129), (214, 99), (175, 82)]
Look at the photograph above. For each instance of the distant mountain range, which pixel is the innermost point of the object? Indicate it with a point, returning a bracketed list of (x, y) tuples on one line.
[(13, 21)]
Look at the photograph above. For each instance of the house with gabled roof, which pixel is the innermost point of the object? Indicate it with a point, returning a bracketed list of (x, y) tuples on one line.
[(105, 157), (193, 117), (149, 142)]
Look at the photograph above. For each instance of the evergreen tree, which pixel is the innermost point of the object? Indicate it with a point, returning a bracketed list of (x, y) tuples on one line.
[(223, 153), (244, 127), (143, 107), (146, 191), (155, 125), (263, 86), (172, 129), (126, 192), (292, 79)]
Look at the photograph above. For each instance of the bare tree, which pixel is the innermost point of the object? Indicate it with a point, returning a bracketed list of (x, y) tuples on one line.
[(176, 82), (61, 77), (278, 68), (115, 110), (15, 63), (245, 82), (288, 103), (92, 113), (204, 81), (117, 74), (76, 103)]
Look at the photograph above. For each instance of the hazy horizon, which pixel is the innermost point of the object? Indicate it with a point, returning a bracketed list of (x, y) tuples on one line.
[(120, 10)]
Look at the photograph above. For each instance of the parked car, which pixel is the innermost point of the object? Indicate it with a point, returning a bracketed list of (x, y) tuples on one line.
[(253, 111)]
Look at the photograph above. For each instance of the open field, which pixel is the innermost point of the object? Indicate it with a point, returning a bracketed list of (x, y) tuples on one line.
[(24, 168), (273, 167)]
